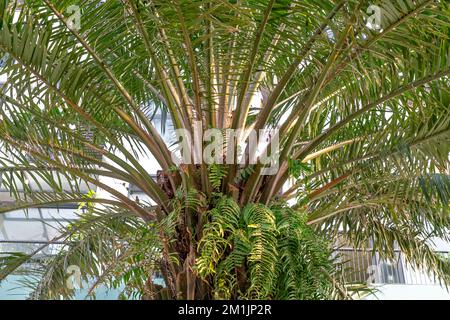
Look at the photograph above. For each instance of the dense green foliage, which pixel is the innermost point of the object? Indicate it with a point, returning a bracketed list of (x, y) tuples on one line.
[(362, 112)]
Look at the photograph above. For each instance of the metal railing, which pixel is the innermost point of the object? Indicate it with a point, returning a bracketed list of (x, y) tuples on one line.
[(366, 266)]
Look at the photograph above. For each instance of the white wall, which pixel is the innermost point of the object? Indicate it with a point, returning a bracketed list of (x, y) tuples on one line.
[(410, 292)]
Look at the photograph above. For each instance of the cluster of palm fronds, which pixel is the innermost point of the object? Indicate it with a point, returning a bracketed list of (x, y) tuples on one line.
[(363, 122)]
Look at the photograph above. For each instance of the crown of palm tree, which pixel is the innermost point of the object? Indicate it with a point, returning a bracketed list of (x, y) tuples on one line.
[(361, 109)]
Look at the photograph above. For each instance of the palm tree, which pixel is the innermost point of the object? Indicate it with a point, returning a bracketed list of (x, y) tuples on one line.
[(357, 91)]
